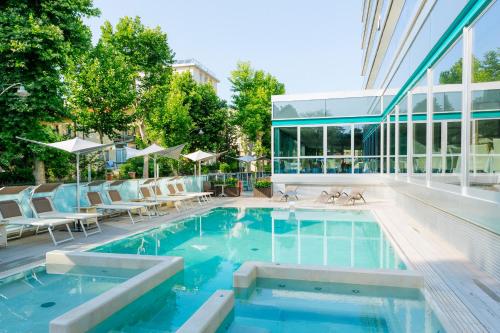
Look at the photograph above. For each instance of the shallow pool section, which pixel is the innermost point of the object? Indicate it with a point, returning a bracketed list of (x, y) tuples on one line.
[(297, 306), (31, 299), (215, 244)]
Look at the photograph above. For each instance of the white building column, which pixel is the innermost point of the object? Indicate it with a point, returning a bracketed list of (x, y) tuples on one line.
[(409, 136), (466, 110), (428, 133)]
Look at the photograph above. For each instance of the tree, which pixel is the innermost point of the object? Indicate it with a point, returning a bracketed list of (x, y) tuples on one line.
[(103, 89), (252, 91), (483, 70), (36, 40), (147, 52)]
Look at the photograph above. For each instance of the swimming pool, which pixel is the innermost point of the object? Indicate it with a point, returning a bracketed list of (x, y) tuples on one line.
[(31, 299), (215, 244), (274, 305)]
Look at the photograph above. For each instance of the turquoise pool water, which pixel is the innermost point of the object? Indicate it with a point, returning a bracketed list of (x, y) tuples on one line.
[(31, 299), (215, 244), (297, 306)]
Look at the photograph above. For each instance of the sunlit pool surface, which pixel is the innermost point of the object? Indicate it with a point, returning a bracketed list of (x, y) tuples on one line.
[(31, 299), (298, 306), (215, 244)]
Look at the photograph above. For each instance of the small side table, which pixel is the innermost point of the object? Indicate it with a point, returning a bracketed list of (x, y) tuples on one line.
[(222, 194)]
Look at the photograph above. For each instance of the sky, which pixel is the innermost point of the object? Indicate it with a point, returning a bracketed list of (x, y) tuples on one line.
[(309, 45)]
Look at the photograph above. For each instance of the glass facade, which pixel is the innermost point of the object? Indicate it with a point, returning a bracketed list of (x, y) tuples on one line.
[(440, 124)]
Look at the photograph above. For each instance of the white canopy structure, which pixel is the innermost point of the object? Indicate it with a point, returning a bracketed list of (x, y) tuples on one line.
[(76, 146), (200, 156), (156, 150), (247, 158)]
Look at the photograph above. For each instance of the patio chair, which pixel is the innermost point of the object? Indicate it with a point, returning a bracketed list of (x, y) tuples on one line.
[(181, 189), (174, 193), (11, 213), (96, 201), (355, 194), (160, 198), (290, 191), (43, 207), (331, 194), (116, 199)]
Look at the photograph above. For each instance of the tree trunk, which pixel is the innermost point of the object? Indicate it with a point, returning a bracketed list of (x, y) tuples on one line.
[(142, 133), (39, 172)]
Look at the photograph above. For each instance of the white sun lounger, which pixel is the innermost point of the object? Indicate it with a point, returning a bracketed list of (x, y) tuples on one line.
[(44, 207), (174, 193), (96, 201), (116, 198), (181, 189), (148, 196), (11, 213)]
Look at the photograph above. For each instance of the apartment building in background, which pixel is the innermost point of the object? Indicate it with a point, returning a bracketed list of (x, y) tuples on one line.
[(199, 72)]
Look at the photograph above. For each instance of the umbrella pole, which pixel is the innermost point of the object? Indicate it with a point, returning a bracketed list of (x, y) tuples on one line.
[(154, 175), (89, 173), (78, 182)]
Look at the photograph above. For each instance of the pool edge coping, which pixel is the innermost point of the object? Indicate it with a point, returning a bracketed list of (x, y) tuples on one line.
[(249, 271), (89, 314)]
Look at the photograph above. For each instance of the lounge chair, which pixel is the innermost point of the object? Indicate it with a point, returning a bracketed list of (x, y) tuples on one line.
[(96, 201), (43, 207), (116, 198), (331, 194), (290, 191), (11, 213), (355, 194), (148, 196), (181, 189), (174, 193)]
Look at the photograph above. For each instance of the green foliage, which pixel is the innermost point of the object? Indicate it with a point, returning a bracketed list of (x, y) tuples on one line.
[(252, 91), (224, 167), (37, 39), (148, 55), (231, 182), (483, 70), (263, 184), (103, 88), (190, 108)]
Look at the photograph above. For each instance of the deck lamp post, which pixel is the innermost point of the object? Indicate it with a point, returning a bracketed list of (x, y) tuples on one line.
[(21, 91)]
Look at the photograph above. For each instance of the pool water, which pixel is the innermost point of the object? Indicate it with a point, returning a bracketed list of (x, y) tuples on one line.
[(31, 299), (215, 244), (297, 306)]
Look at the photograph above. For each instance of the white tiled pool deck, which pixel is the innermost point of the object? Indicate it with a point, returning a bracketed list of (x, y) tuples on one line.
[(466, 299)]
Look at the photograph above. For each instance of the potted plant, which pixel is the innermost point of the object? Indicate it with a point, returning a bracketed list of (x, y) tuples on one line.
[(131, 174), (109, 174), (232, 188), (263, 189)]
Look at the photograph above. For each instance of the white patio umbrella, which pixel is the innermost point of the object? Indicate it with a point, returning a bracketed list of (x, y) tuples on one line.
[(76, 146), (200, 156), (156, 150)]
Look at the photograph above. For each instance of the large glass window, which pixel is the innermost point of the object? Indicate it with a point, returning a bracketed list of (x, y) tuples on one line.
[(403, 137), (419, 103), (285, 166), (311, 165), (352, 106), (311, 141), (299, 109), (367, 140), (338, 140), (419, 144), (339, 165), (485, 133), (285, 141)]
